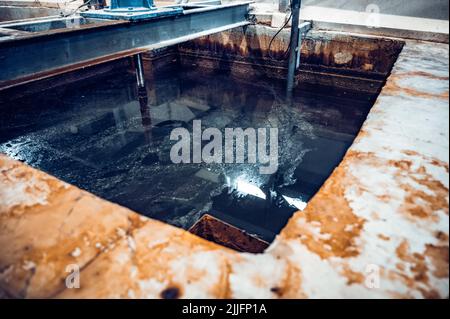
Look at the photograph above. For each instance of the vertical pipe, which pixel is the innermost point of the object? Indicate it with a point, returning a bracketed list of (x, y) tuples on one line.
[(145, 114), (295, 7), (299, 45), (139, 70)]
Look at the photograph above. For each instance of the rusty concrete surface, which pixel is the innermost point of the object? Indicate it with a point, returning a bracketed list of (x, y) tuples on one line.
[(333, 59), (378, 228)]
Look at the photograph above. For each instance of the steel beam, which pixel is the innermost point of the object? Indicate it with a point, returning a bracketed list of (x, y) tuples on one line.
[(38, 55)]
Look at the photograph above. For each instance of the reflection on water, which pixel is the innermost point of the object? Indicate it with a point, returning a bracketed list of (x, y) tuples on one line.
[(105, 137)]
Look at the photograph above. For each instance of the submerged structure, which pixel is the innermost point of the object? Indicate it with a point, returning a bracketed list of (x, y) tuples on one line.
[(138, 146)]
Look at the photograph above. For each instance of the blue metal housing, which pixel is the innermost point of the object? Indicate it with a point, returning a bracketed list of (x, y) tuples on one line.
[(132, 10), (119, 5)]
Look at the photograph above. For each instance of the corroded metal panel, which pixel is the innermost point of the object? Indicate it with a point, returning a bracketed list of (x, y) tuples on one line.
[(222, 233)]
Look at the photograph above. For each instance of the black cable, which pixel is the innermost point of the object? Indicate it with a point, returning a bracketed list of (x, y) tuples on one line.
[(284, 56)]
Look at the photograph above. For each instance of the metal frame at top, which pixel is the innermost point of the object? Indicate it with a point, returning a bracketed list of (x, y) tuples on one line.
[(27, 56)]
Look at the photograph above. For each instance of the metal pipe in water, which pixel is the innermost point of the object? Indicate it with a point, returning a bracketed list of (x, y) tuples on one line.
[(139, 65), (295, 7)]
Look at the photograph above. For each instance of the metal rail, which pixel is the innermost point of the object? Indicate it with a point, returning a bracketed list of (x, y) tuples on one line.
[(34, 55)]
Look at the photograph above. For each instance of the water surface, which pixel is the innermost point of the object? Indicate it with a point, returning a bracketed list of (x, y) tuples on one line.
[(103, 136)]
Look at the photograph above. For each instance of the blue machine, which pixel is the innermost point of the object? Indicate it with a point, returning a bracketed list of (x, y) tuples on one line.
[(132, 10)]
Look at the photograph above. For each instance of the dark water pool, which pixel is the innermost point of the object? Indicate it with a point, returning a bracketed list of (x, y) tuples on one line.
[(105, 137)]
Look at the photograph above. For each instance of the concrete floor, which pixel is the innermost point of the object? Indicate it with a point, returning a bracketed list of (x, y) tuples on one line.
[(431, 9)]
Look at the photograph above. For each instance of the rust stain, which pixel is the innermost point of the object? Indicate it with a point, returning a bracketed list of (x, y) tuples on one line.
[(331, 212), (421, 74), (441, 236), (289, 286), (417, 203), (352, 276), (224, 289), (292, 283), (415, 261), (400, 267), (429, 204), (439, 258), (65, 224), (417, 264), (154, 259), (430, 294), (38, 190), (335, 52), (433, 161), (393, 88), (329, 209)]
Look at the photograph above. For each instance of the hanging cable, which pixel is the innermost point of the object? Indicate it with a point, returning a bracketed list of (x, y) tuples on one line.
[(284, 56)]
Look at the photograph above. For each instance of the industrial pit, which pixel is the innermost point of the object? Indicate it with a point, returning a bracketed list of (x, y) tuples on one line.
[(88, 176)]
